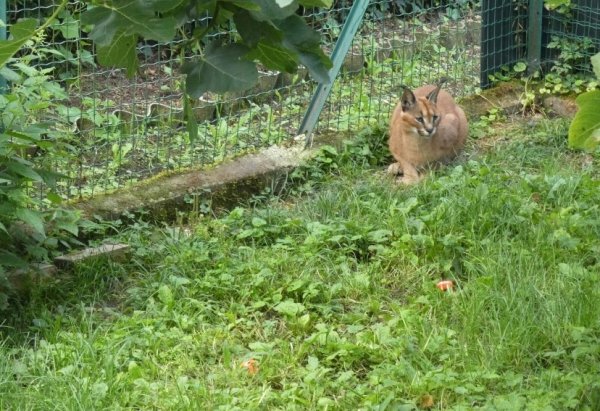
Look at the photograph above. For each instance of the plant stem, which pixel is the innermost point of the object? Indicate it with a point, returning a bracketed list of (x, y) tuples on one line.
[(54, 15)]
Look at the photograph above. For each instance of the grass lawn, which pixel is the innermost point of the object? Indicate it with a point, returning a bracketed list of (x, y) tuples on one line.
[(331, 292)]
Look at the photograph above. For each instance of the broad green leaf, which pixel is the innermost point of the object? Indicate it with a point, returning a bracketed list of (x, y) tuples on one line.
[(20, 33), (584, 130), (258, 222), (69, 27), (53, 197), (552, 4), (165, 295), (9, 74), (11, 260), (520, 67), (23, 30), (31, 218), (135, 17), (271, 10), (192, 124), (317, 3), (3, 228), (379, 236), (596, 64), (120, 53), (289, 308), (298, 34), (187, 11), (274, 56), (317, 64), (252, 31), (162, 6), (67, 226), (221, 70), (24, 171), (305, 41), (49, 177), (284, 3), (21, 136), (247, 5)]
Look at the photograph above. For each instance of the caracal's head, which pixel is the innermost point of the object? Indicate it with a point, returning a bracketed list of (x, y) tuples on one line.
[(420, 114)]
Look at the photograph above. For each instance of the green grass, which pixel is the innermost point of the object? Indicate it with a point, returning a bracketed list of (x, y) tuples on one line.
[(331, 291)]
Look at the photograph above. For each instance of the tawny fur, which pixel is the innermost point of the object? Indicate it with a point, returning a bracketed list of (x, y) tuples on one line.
[(437, 138)]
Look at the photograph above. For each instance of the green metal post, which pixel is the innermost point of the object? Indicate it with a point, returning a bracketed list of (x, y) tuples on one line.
[(534, 35), (337, 57), (3, 37)]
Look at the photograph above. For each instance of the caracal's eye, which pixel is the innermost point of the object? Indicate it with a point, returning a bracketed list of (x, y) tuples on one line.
[(436, 118), (419, 119)]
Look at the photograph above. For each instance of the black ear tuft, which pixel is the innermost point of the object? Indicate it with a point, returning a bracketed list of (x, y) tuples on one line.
[(408, 99), (433, 96)]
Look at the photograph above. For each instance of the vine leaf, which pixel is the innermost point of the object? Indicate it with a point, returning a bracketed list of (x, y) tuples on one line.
[(135, 17), (120, 53), (304, 41), (584, 131), (221, 70), (274, 56), (252, 31), (596, 64), (31, 218), (317, 3), (20, 33), (553, 4), (274, 10)]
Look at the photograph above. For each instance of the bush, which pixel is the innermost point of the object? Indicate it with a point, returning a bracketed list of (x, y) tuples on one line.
[(33, 225)]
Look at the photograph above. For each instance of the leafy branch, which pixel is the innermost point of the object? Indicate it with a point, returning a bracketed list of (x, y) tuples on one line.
[(584, 131), (270, 33)]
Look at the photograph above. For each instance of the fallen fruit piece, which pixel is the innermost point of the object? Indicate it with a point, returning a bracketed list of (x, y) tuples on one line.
[(250, 365), (445, 285), (427, 401)]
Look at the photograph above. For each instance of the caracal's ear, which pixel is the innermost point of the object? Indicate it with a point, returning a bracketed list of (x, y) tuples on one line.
[(408, 99), (433, 96)]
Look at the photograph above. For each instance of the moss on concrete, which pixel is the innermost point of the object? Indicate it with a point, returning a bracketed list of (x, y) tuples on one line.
[(224, 185), (564, 106), (504, 96)]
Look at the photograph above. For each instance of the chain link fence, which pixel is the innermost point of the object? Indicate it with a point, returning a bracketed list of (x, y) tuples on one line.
[(118, 131)]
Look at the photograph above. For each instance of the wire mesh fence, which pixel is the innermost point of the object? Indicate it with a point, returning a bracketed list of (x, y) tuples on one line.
[(569, 36), (118, 131), (572, 36)]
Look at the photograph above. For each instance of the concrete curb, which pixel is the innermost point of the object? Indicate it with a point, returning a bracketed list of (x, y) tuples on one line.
[(225, 185)]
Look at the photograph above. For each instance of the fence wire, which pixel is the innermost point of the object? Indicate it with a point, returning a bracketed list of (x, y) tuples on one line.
[(121, 131), (570, 36)]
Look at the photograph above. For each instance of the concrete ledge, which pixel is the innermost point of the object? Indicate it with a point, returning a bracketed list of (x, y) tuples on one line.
[(225, 185), (112, 251), (504, 96), (564, 106)]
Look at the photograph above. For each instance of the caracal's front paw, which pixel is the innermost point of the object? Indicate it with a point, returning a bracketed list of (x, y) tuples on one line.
[(409, 179), (394, 169)]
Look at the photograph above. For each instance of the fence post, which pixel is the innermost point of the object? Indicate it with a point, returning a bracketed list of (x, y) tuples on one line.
[(534, 35), (337, 57), (3, 37)]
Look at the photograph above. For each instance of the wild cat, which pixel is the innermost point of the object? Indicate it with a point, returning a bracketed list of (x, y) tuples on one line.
[(427, 129)]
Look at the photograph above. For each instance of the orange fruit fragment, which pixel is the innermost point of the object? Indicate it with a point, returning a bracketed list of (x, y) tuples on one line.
[(445, 285), (250, 365)]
